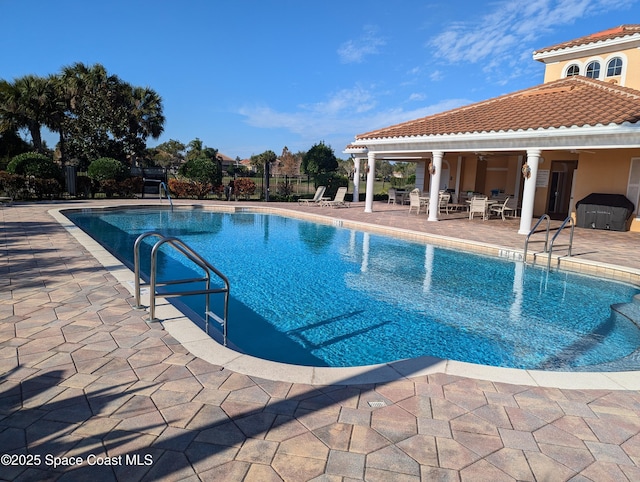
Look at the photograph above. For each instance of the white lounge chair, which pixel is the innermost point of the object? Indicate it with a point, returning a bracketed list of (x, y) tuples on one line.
[(338, 201), (502, 208), (317, 197)]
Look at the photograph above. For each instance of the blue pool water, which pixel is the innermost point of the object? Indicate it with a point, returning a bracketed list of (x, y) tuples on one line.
[(314, 294)]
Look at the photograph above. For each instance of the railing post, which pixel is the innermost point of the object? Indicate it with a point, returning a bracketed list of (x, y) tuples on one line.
[(198, 260)]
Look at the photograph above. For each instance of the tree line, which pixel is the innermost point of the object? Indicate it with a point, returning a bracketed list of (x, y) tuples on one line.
[(94, 113), (99, 116)]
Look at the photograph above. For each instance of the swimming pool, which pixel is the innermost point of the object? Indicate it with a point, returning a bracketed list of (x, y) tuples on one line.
[(314, 294)]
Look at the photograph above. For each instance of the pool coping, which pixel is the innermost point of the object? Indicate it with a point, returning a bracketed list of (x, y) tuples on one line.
[(203, 346)]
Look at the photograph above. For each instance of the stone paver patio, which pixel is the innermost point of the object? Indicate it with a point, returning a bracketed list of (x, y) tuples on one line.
[(87, 384)]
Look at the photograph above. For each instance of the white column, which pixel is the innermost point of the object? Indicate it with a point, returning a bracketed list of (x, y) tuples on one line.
[(516, 187), (356, 179), (421, 175), (529, 192), (458, 177), (371, 177), (434, 186)]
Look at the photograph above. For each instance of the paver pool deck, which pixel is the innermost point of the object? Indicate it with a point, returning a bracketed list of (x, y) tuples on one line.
[(84, 378)]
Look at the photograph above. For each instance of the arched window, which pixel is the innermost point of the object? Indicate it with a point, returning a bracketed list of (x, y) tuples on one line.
[(573, 70), (614, 67), (593, 70)]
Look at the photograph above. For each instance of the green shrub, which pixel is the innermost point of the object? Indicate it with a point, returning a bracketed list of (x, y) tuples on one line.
[(13, 185), (36, 165), (131, 186), (202, 170), (109, 187), (85, 187), (107, 168), (189, 189), (46, 188), (244, 187)]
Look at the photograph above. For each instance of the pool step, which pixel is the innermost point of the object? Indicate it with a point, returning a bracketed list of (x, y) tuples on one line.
[(215, 317), (629, 310)]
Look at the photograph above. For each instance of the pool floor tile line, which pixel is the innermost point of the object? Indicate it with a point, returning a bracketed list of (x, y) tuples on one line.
[(82, 374)]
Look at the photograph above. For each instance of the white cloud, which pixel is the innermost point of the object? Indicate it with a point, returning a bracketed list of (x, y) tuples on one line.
[(504, 35), (343, 115), (416, 96), (354, 51), (436, 75)]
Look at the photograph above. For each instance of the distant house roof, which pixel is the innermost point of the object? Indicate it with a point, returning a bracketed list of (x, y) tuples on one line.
[(224, 157), (621, 32), (571, 102)]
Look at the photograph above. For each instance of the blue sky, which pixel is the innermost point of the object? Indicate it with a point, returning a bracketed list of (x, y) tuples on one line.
[(246, 76)]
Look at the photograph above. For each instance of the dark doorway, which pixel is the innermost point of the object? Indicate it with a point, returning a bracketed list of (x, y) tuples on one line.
[(560, 183)]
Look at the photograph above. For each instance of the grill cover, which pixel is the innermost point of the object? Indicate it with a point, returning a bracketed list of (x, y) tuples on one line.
[(604, 211)]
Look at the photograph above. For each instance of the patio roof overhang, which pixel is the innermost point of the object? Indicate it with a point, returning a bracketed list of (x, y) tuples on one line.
[(615, 136)]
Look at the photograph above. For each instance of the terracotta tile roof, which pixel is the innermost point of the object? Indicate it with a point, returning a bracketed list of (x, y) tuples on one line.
[(574, 101), (610, 34)]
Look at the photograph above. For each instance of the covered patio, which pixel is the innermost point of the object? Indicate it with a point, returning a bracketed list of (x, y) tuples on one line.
[(524, 139)]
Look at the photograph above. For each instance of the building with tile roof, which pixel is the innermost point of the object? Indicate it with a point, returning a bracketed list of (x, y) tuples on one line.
[(547, 146)]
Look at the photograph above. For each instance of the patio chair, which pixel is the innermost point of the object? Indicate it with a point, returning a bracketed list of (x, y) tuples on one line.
[(478, 205), (338, 201), (317, 197), (416, 202), (512, 204), (500, 209), (392, 196), (443, 202)]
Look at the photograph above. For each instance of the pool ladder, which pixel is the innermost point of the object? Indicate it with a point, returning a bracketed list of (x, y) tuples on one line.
[(208, 269), (162, 187), (548, 247)]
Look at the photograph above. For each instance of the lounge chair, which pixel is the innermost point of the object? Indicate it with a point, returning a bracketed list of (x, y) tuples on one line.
[(317, 197), (392, 196), (338, 201), (478, 205), (502, 208), (415, 201)]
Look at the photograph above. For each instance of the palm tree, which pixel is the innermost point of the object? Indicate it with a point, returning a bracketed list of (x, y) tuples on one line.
[(108, 116), (24, 104), (58, 111), (145, 119), (87, 123)]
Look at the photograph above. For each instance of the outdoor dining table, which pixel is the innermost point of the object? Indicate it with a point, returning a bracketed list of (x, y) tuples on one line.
[(488, 203), (402, 195)]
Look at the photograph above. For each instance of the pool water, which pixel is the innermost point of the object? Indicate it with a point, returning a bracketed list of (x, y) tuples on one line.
[(314, 294)]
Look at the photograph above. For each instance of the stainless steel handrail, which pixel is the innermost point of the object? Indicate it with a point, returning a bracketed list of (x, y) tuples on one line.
[(195, 258), (571, 222), (166, 192), (533, 230)]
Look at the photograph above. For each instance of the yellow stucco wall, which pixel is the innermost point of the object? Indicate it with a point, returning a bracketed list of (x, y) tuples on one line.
[(602, 171), (631, 77)]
